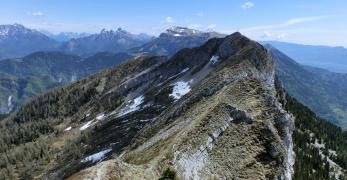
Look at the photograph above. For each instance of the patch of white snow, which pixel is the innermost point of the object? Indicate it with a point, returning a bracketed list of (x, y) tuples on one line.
[(97, 156), (87, 125), (100, 117), (180, 89), (9, 102), (214, 60), (332, 152), (184, 70), (134, 106), (73, 78), (318, 145), (68, 128), (336, 171)]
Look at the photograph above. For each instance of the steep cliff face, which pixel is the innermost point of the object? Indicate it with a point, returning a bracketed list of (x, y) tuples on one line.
[(216, 116), (206, 112)]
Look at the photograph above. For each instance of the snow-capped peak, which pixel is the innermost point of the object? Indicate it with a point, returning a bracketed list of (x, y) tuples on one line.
[(181, 31), (13, 29)]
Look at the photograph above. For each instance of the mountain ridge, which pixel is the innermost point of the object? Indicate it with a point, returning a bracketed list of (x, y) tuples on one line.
[(116, 103)]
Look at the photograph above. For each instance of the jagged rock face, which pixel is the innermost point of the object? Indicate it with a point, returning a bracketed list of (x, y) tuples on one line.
[(207, 112)]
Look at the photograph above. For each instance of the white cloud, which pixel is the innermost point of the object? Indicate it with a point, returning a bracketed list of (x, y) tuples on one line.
[(200, 14), (289, 22), (301, 20), (268, 35), (247, 5), (169, 19), (211, 26), (282, 36), (36, 13)]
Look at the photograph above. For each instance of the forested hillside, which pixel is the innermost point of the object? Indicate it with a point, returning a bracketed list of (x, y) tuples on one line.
[(35, 138), (320, 146), (324, 92), (24, 78)]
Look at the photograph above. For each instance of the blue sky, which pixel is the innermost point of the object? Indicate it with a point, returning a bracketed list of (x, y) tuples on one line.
[(303, 21)]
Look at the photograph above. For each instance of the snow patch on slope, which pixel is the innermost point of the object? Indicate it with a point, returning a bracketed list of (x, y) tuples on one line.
[(9, 102), (184, 70), (134, 106), (68, 128), (100, 117), (180, 89), (337, 171), (87, 125), (214, 60), (97, 156)]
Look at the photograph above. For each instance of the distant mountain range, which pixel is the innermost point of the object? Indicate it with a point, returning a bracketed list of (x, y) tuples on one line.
[(18, 41), (321, 90), (331, 58), (114, 41), (64, 36)]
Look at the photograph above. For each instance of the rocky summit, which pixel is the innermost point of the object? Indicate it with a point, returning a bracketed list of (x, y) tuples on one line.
[(211, 112)]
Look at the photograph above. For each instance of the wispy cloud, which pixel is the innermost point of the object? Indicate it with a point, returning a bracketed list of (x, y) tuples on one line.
[(289, 22), (247, 5), (169, 19), (301, 20), (200, 14), (268, 35), (36, 13)]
